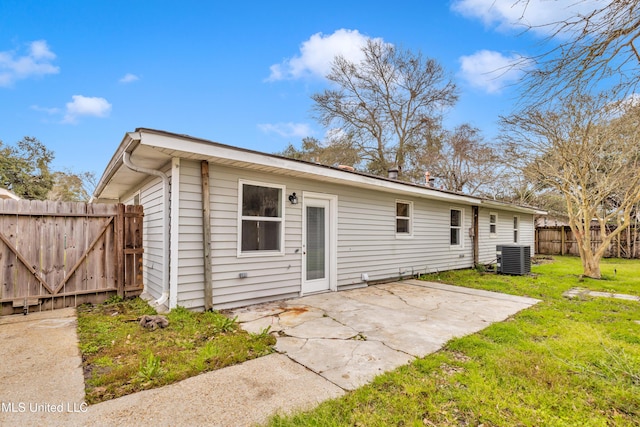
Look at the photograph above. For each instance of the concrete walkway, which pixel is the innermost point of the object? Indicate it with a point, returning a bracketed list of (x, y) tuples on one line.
[(329, 343), (581, 293)]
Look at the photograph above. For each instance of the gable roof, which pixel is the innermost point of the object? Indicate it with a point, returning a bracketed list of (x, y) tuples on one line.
[(154, 149)]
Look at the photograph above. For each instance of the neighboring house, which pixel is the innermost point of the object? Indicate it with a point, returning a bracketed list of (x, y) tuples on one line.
[(242, 227), (8, 194), (551, 220)]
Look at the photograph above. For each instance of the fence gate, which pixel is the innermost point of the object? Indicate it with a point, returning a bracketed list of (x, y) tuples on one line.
[(62, 254)]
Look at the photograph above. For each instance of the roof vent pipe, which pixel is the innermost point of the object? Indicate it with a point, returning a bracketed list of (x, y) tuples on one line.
[(126, 159), (393, 172), (429, 181)]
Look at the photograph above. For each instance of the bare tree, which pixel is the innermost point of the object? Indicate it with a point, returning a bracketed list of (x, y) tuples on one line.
[(386, 102), (462, 162), (588, 150), (591, 49)]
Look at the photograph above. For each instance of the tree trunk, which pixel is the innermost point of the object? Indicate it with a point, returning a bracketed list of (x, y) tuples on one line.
[(591, 265)]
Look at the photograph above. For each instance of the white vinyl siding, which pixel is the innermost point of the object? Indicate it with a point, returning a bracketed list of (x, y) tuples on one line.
[(190, 263), (366, 244), (267, 277), (504, 233), (527, 231), (150, 196), (367, 240)]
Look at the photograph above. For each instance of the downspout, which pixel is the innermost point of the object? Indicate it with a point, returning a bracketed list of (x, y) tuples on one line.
[(126, 159)]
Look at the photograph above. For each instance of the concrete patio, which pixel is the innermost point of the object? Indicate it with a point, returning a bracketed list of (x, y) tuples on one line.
[(330, 343), (349, 337)]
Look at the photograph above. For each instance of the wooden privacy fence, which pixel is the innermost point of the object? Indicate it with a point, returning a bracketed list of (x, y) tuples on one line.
[(559, 240), (62, 254)]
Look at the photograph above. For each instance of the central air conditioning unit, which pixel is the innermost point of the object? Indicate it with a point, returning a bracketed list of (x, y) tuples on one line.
[(513, 259)]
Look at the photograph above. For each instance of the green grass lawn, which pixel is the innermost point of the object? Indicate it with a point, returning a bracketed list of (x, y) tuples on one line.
[(120, 357), (562, 362)]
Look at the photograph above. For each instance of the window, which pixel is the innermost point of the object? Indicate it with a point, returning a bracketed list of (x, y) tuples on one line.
[(493, 224), (515, 229), (456, 227), (403, 218), (261, 213)]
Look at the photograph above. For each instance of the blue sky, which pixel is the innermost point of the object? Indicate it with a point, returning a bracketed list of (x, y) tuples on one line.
[(77, 75)]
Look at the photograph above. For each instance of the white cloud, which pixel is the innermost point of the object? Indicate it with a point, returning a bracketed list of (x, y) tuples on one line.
[(36, 62), (317, 53), (491, 71), (45, 109), (129, 78), (507, 15), (287, 130), (85, 106)]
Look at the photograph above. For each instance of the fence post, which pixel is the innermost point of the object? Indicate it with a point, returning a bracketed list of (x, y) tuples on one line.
[(562, 240), (119, 244)]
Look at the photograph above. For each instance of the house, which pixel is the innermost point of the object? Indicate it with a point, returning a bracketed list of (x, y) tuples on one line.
[(8, 194), (226, 227)]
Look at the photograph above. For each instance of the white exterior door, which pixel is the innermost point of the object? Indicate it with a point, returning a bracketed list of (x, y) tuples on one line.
[(318, 239)]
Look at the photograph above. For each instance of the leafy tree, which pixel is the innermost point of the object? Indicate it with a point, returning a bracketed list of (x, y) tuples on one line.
[(333, 153), (588, 150), (24, 169), (387, 103), (72, 187)]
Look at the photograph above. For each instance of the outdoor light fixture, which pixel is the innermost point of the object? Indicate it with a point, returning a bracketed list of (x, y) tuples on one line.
[(293, 199)]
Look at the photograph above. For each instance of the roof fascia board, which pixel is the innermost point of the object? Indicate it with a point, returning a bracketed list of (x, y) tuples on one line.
[(187, 144), (128, 144), (510, 207)]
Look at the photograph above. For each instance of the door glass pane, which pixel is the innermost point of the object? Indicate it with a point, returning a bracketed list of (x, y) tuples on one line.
[(315, 243)]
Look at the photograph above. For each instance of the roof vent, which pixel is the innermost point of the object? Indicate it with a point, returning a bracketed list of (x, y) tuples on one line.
[(429, 181), (393, 172), (346, 168)]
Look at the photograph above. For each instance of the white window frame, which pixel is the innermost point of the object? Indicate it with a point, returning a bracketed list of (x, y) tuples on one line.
[(493, 233), (281, 219), (460, 244), (516, 229), (409, 234)]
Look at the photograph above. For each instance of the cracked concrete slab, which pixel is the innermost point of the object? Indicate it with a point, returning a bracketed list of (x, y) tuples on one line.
[(349, 337), (328, 343), (581, 293), (323, 327), (349, 364)]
